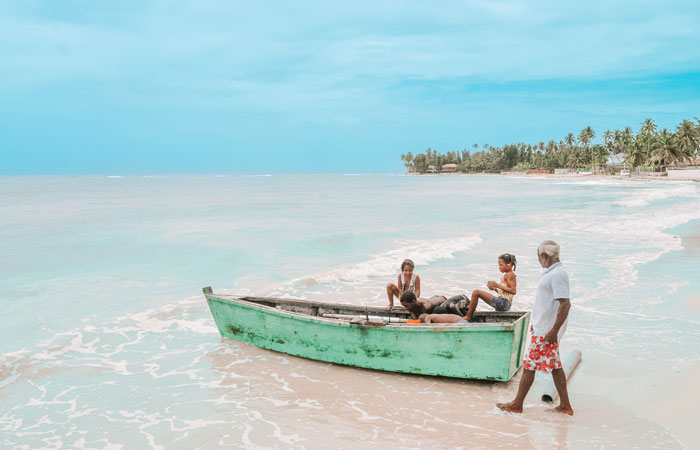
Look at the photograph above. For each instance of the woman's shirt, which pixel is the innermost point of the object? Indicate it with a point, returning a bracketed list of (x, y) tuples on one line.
[(411, 285)]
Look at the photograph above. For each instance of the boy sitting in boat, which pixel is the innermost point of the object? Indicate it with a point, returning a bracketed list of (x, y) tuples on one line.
[(420, 307)]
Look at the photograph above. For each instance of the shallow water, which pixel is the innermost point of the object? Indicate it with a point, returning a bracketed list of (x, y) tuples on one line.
[(109, 341)]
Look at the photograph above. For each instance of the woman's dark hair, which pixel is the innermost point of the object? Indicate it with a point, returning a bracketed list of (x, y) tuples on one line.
[(408, 297), (407, 262), (509, 259)]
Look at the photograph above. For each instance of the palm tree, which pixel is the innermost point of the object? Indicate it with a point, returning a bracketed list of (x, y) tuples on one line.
[(666, 149), (607, 137), (648, 127), (600, 155), (624, 139), (408, 161), (575, 161), (585, 137), (570, 140), (635, 154), (689, 139), (609, 142)]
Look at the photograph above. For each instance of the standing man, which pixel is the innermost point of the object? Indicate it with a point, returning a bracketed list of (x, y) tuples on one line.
[(547, 326)]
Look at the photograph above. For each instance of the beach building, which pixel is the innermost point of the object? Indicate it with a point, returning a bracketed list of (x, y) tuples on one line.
[(431, 169), (449, 168), (616, 161)]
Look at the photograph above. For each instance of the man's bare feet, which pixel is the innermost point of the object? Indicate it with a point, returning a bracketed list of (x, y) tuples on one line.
[(388, 308), (564, 410), (511, 407)]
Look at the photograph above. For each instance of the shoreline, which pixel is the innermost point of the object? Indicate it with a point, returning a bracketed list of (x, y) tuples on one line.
[(561, 176)]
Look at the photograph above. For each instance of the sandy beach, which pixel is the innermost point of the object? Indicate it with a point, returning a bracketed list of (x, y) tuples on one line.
[(567, 176)]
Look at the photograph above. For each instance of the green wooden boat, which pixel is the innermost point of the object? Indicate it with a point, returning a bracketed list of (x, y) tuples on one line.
[(489, 348)]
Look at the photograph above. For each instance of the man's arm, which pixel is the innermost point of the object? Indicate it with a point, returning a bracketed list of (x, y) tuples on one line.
[(562, 314)]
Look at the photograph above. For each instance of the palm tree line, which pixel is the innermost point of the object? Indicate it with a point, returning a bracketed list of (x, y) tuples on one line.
[(648, 149)]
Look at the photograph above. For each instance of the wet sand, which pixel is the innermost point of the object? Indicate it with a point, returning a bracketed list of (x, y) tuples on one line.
[(665, 398), (346, 407), (693, 302)]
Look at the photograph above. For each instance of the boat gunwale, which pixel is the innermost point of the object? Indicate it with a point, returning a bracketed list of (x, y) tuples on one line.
[(422, 327)]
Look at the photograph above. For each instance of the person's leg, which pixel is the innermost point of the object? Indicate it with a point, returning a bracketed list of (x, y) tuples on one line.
[(442, 308), (447, 307), (559, 377), (391, 291), (516, 406), (442, 318), (476, 295), (453, 308)]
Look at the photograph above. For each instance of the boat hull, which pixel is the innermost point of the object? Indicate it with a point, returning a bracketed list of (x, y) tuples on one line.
[(488, 351)]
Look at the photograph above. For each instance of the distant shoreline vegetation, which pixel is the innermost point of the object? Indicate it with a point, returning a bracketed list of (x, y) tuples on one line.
[(647, 150)]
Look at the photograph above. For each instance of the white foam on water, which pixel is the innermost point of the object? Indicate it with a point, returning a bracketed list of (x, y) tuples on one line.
[(388, 263), (595, 182), (648, 195), (82, 443)]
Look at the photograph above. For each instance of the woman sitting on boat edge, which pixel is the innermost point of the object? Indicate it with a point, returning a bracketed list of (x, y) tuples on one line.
[(453, 311), (407, 282)]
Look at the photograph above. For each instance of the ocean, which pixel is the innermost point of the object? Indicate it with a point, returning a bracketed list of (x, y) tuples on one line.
[(108, 342)]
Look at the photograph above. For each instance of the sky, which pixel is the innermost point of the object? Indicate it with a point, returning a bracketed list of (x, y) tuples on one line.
[(204, 86)]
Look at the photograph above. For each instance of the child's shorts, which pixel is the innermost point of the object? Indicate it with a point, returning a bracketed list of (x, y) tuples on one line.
[(500, 304), (541, 355)]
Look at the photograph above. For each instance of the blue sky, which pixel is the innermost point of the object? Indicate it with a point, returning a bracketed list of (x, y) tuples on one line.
[(144, 86)]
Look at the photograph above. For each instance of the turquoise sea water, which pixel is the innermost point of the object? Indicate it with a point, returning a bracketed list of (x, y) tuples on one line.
[(108, 342)]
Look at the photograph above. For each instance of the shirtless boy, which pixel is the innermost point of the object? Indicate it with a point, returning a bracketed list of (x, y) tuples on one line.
[(420, 307)]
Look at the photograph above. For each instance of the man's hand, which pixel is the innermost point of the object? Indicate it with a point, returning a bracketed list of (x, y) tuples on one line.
[(491, 285), (551, 337)]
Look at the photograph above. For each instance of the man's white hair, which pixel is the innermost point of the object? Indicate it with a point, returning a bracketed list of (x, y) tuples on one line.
[(549, 248)]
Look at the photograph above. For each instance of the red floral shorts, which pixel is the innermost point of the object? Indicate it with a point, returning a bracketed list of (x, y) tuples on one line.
[(541, 355)]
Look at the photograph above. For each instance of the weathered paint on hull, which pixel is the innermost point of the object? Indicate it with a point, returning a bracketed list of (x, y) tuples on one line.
[(483, 351)]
